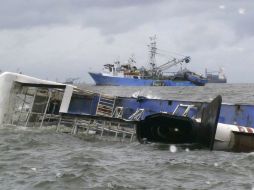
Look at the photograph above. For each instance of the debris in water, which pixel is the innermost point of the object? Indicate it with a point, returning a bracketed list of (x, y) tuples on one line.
[(172, 148), (58, 174), (110, 185)]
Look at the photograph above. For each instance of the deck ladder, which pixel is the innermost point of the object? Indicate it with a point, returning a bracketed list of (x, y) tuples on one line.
[(106, 105), (137, 115), (118, 112), (184, 106)]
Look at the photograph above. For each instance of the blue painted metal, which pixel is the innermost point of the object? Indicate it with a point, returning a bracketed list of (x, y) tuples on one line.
[(198, 80), (242, 115), (124, 81)]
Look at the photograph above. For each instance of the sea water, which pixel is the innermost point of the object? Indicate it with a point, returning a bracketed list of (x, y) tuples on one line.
[(33, 158)]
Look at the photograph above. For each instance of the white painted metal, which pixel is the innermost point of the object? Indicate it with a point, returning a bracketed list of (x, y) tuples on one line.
[(106, 105), (46, 108), (7, 80), (66, 99), (136, 116), (185, 106), (30, 111), (223, 135)]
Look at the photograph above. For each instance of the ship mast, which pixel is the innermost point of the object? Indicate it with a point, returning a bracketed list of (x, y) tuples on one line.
[(154, 70), (153, 52)]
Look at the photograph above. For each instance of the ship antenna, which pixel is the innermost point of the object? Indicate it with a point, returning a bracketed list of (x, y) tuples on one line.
[(152, 52)]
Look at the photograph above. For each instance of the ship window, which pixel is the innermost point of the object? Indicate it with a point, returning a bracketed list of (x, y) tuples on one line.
[(170, 102)]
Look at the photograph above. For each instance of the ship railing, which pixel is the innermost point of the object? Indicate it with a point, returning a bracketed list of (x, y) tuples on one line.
[(105, 106), (137, 115), (185, 107), (29, 118), (98, 126)]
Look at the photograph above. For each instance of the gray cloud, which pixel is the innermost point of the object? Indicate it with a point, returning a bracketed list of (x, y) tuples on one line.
[(29, 13), (119, 16), (73, 36)]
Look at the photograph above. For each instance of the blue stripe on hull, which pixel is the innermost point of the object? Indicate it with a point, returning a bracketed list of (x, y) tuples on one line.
[(242, 115), (118, 81)]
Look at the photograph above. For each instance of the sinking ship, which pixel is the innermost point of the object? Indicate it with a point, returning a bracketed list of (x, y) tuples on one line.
[(31, 102), (129, 74)]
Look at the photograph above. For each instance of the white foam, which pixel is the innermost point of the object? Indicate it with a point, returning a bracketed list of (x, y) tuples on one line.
[(173, 148)]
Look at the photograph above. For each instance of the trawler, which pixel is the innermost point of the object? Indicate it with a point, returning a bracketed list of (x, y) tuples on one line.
[(129, 74)]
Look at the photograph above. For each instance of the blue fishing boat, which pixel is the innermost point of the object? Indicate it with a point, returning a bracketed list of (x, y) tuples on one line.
[(106, 80), (129, 74)]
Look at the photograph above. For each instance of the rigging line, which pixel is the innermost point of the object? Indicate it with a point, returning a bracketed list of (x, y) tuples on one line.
[(164, 55), (171, 52)]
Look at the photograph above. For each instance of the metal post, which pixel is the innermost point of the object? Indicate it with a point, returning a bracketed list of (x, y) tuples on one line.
[(131, 137), (52, 113), (29, 113), (102, 130), (116, 135), (123, 136), (22, 105), (59, 122), (133, 133), (45, 111), (88, 127), (75, 127)]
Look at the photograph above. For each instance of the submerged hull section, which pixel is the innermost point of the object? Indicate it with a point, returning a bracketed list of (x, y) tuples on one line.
[(169, 128), (120, 81), (242, 115)]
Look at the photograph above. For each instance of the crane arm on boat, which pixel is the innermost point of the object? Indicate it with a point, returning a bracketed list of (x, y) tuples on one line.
[(173, 62)]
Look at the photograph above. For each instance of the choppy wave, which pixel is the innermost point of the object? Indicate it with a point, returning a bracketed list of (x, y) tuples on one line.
[(32, 158), (48, 160)]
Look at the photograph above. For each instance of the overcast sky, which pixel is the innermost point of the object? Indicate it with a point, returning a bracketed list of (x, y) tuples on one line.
[(57, 39)]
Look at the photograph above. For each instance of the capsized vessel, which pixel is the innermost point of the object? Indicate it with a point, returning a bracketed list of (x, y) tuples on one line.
[(27, 101)]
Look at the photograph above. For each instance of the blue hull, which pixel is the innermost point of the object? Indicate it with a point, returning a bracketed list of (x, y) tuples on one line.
[(119, 81), (242, 115)]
